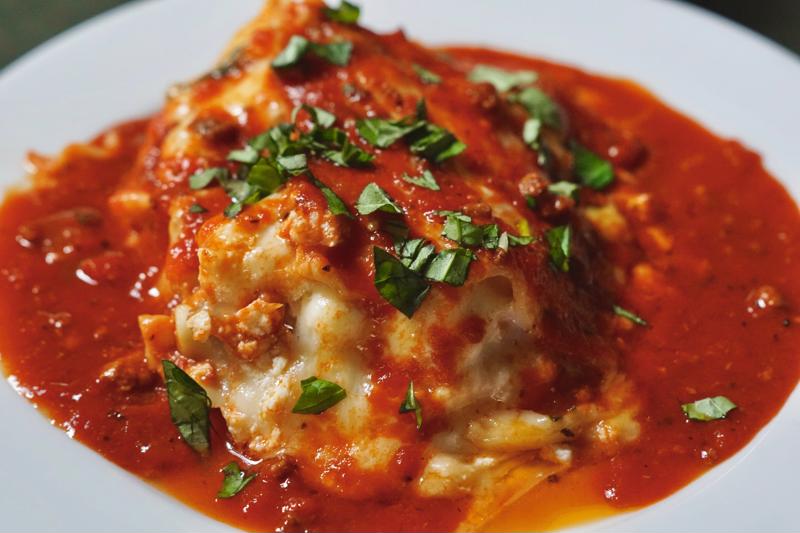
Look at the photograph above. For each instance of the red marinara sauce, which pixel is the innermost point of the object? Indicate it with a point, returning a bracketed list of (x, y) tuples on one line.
[(734, 243)]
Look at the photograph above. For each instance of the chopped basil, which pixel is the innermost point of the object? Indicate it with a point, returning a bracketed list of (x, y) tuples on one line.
[(248, 155), (415, 254), (450, 266), (348, 155), (639, 321), (373, 198), (424, 138), (464, 232), (320, 117), (337, 53), (426, 76), (564, 188), (234, 481), (503, 80), (559, 240), (434, 143), (335, 204), (317, 396), (539, 105), (398, 284), (591, 169), (708, 409), (346, 13), (506, 240), (383, 133), (188, 406), (426, 180), (294, 51), (203, 178), (197, 209), (530, 132), (410, 404), (530, 201)]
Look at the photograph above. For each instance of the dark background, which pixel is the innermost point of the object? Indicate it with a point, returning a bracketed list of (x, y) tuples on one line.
[(26, 23)]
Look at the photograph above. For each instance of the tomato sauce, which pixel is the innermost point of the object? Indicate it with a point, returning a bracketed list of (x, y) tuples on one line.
[(732, 249)]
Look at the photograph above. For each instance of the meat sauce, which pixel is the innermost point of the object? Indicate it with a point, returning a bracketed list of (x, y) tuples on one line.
[(721, 307)]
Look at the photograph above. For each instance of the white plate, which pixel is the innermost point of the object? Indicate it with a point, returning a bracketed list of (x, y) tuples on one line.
[(118, 65)]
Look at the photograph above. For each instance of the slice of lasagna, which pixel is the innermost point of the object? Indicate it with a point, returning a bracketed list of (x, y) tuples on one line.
[(377, 268)]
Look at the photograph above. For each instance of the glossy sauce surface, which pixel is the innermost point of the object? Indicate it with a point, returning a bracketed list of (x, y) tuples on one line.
[(734, 231)]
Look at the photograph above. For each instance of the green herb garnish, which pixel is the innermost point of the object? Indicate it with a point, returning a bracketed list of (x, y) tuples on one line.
[(424, 138), (426, 180), (639, 321), (337, 53), (346, 13), (426, 76), (402, 287), (188, 406), (317, 396), (539, 105), (410, 404), (708, 409), (450, 266), (373, 198), (234, 481), (503, 80), (564, 188), (591, 169), (197, 209), (559, 240)]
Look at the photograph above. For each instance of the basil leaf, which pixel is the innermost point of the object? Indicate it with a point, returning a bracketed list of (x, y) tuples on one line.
[(398, 284), (196, 209), (349, 155), (426, 180), (346, 13), (248, 155), (591, 169), (265, 177), (522, 240), (383, 133), (457, 214), (410, 404), (503, 80), (317, 396), (462, 231), (234, 481), (335, 204), (294, 51), (416, 254), (203, 178), (639, 321), (530, 201), (539, 105), (320, 117), (233, 209), (337, 53), (559, 240), (708, 409), (435, 143), (188, 406), (426, 76), (293, 165), (530, 132), (564, 188), (450, 266), (373, 198)]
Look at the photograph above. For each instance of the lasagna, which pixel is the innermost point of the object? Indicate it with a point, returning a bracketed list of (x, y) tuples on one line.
[(395, 277)]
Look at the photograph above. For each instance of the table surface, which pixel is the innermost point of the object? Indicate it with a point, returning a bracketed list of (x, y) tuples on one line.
[(26, 23)]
